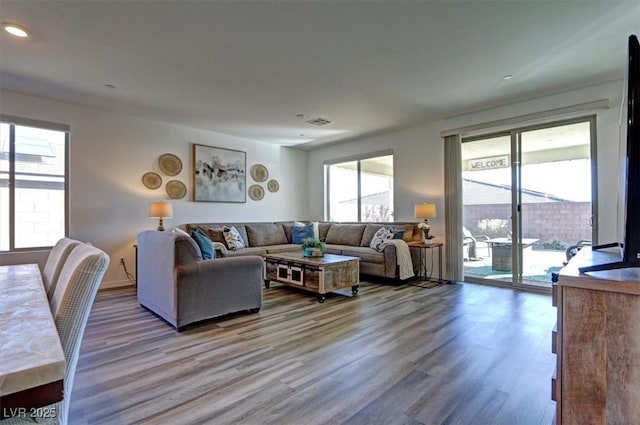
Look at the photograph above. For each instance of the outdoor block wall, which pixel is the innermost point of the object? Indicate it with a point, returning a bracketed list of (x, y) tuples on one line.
[(566, 222), (39, 217)]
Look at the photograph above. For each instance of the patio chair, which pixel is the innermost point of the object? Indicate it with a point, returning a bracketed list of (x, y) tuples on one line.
[(471, 245), (572, 250)]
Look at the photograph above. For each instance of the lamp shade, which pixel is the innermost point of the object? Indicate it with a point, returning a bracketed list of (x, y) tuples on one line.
[(160, 210), (425, 210)]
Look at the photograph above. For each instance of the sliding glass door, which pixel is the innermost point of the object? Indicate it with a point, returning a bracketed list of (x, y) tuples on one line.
[(527, 197)]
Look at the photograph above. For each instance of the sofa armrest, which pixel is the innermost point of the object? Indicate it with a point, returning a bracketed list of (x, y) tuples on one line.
[(390, 261), (223, 268)]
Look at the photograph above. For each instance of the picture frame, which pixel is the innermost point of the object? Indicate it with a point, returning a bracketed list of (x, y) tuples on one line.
[(219, 174)]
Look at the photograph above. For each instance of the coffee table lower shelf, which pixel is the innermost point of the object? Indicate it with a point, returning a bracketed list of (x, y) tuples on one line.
[(319, 275)]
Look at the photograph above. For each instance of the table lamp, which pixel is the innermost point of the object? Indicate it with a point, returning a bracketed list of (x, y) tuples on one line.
[(160, 210), (425, 211)]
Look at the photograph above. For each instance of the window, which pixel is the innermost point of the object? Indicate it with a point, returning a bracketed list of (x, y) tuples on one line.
[(360, 189), (33, 181)]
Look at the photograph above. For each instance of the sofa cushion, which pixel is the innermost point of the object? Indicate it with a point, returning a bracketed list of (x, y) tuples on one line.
[(369, 231), (345, 234), (368, 255), (288, 247), (187, 250), (286, 226), (300, 233), (251, 250), (203, 241), (216, 231), (323, 229), (334, 249), (262, 234), (408, 231)]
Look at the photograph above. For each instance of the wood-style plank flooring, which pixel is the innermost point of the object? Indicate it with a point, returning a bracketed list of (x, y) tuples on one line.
[(453, 354)]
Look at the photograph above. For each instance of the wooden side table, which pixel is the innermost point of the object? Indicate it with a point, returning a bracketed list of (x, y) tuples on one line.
[(423, 272)]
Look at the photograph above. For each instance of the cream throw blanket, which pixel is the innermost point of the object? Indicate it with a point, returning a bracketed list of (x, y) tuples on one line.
[(403, 257)]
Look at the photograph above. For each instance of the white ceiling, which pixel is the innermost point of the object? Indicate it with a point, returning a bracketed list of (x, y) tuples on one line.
[(247, 68)]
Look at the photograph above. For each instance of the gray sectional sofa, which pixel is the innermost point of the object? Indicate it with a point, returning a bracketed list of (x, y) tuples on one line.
[(178, 285), (340, 238)]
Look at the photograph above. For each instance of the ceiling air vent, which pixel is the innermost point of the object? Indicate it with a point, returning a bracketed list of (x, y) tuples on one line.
[(319, 121)]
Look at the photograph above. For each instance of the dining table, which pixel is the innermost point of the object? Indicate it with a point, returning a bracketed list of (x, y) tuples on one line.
[(32, 360)]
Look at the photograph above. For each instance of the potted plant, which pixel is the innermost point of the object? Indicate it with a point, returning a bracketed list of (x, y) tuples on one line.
[(313, 247), (426, 228)]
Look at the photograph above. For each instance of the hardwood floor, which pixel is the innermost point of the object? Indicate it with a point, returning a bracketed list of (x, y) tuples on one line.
[(453, 354)]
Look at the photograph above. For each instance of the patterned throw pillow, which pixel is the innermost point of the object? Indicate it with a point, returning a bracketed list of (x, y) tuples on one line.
[(232, 238), (381, 236), (300, 233)]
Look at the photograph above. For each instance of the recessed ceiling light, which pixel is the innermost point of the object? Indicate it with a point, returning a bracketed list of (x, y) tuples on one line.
[(15, 30), (507, 77)]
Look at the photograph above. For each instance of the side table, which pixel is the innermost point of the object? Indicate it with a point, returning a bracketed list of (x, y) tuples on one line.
[(423, 272)]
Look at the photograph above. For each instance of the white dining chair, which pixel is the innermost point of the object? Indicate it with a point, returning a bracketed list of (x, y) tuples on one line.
[(55, 261), (71, 303)]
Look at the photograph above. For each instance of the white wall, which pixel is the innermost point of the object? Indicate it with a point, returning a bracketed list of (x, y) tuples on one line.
[(418, 169), (419, 155), (109, 153)]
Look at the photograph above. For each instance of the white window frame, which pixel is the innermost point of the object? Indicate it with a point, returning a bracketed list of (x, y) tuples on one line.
[(14, 121), (358, 158)]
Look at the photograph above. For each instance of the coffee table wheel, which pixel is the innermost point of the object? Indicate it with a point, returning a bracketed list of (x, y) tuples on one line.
[(354, 289), (267, 283), (321, 299)]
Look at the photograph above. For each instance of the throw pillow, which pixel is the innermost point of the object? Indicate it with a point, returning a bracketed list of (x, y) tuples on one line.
[(180, 231), (398, 234), (300, 233), (381, 236), (203, 241), (316, 228), (233, 239)]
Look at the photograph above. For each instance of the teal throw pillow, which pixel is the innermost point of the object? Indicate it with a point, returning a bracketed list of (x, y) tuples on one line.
[(204, 243), (300, 233), (398, 234)]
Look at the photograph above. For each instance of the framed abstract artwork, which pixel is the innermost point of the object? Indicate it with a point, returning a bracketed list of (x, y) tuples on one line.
[(219, 175)]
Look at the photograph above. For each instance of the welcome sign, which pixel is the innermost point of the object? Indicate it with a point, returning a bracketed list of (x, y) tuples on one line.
[(489, 163)]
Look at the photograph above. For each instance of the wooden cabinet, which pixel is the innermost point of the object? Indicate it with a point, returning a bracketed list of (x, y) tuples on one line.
[(597, 343)]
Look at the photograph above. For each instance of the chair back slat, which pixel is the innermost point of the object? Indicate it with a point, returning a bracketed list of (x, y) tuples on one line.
[(56, 259)]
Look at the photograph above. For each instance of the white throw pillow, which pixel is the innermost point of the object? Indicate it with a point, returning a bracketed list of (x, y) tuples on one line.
[(232, 238), (180, 231), (381, 236)]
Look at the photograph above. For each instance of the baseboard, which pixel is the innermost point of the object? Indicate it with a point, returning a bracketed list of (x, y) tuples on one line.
[(115, 284)]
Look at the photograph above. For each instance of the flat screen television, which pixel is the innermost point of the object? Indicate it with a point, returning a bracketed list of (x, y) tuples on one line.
[(629, 193)]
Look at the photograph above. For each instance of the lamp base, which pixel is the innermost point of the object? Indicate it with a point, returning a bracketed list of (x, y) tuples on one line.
[(160, 226)]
